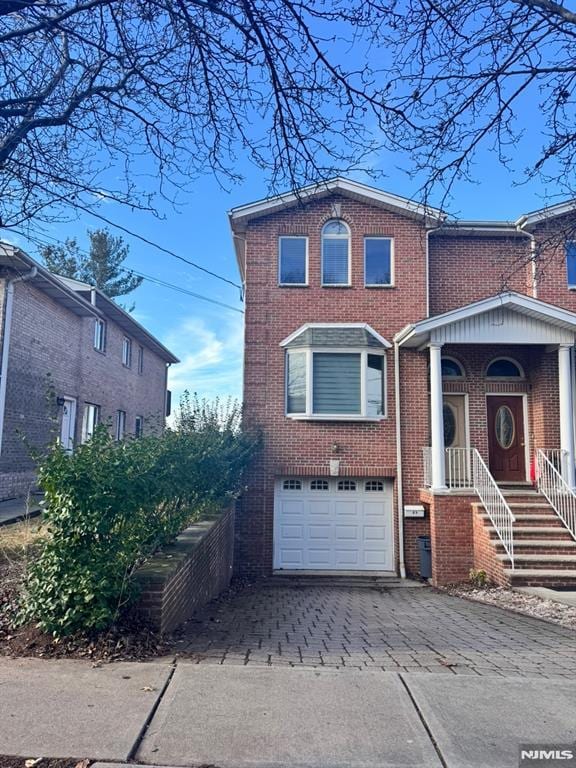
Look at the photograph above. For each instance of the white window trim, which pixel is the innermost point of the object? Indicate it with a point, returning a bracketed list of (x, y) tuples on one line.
[(392, 283), (348, 238), (127, 346), (120, 422), (97, 324), (522, 376), (95, 409), (309, 415), (292, 285)]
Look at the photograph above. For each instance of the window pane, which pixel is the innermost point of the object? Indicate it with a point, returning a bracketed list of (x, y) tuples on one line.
[(293, 260), (378, 261), (335, 228), (296, 382), (503, 369), (571, 262), (375, 385), (450, 368), (336, 383), (335, 261)]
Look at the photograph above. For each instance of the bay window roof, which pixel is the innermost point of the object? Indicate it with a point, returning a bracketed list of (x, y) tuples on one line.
[(336, 336)]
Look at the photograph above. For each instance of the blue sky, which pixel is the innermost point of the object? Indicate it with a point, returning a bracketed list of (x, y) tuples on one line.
[(208, 338)]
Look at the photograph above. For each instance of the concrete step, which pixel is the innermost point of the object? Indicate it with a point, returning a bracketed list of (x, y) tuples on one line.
[(541, 577), (528, 505), (541, 548), (527, 518), (522, 532), (552, 562)]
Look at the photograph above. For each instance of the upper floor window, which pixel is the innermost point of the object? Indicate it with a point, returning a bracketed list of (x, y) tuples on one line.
[(127, 352), (90, 420), (451, 369), (377, 261), (335, 253), (571, 263), (140, 358), (504, 368), (293, 260), (99, 335)]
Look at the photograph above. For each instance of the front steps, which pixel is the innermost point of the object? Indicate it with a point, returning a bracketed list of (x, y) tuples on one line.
[(544, 549)]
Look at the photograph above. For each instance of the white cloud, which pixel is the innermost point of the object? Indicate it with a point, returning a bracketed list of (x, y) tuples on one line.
[(210, 355)]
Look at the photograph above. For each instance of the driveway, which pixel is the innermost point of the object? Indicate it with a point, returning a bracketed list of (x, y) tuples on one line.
[(396, 629)]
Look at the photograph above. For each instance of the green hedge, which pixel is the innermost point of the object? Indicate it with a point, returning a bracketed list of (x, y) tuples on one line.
[(110, 504)]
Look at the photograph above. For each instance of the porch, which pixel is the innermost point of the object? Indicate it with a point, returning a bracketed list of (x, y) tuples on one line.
[(500, 415)]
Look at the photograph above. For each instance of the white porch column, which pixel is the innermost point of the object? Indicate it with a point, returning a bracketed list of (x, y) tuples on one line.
[(566, 414), (437, 419)]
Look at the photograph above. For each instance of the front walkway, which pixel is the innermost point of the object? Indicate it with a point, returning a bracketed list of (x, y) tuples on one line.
[(394, 629)]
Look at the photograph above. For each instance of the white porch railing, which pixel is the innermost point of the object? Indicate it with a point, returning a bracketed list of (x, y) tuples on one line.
[(554, 487), (465, 468)]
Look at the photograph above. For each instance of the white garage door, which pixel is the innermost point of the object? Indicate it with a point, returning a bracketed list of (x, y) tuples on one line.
[(335, 524)]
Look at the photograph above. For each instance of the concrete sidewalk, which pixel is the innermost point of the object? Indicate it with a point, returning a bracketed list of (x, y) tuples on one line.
[(245, 717)]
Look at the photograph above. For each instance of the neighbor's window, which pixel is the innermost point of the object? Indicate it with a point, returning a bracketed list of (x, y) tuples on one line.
[(377, 261), (120, 424), (503, 368), (292, 261), (571, 262), (139, 426), (90, 420), (127, 352), (99, 335), (335, 384), (335, 253), (140, 358)]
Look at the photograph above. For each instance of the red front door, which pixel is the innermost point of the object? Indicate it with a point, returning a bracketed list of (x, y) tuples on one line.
[(506, 438)]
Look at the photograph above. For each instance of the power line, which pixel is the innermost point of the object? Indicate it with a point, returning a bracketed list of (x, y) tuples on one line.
[(159, 247), (149, 278)]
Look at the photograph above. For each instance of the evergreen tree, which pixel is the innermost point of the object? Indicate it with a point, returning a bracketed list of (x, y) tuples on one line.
[(101, 267)]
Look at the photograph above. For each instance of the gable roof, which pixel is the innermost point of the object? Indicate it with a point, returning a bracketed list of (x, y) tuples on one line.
[(80, 298), (544, 214), (242, 214), (416, 334), (335, 335)]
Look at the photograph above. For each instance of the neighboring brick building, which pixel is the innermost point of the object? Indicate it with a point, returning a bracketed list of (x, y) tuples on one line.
[(71, 358), (396, 358)]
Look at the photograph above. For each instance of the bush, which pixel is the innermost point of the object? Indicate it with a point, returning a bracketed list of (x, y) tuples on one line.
[(110, 504)]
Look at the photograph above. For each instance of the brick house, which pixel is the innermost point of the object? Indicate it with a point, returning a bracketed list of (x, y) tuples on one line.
[(71, 358), (413, 375)]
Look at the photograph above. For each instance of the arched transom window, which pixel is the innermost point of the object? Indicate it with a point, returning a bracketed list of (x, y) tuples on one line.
[(335, 253), (451, 369), (504, 368)]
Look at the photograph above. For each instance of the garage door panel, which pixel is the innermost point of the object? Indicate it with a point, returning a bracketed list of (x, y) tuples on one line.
[(333, 524)]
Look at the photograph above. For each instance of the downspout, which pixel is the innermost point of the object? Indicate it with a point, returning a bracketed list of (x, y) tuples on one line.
[(6, 333), (399, 461), (519, 228)]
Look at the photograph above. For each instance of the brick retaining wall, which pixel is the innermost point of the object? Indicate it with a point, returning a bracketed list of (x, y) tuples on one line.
[(188, 573)]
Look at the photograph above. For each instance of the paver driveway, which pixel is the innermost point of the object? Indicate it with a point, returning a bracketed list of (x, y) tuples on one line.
[(398, 629)]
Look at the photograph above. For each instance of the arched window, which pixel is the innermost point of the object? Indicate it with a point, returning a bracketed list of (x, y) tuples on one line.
[(335, 253), (504, 368), (451, 369)]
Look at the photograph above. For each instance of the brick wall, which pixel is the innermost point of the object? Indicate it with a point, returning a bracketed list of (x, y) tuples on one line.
[(187, 574), (485, 552), (50, 343), (272, 313), (451, 536), (463, 268)]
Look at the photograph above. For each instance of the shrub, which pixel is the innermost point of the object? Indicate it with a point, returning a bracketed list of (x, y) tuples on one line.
[(110, 504), (478, 578)]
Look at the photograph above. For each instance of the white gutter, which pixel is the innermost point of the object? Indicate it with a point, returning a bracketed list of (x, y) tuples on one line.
[(6, 333), (399, 462)]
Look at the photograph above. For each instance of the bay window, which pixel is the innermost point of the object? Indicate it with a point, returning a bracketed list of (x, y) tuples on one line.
[(335, 384)]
